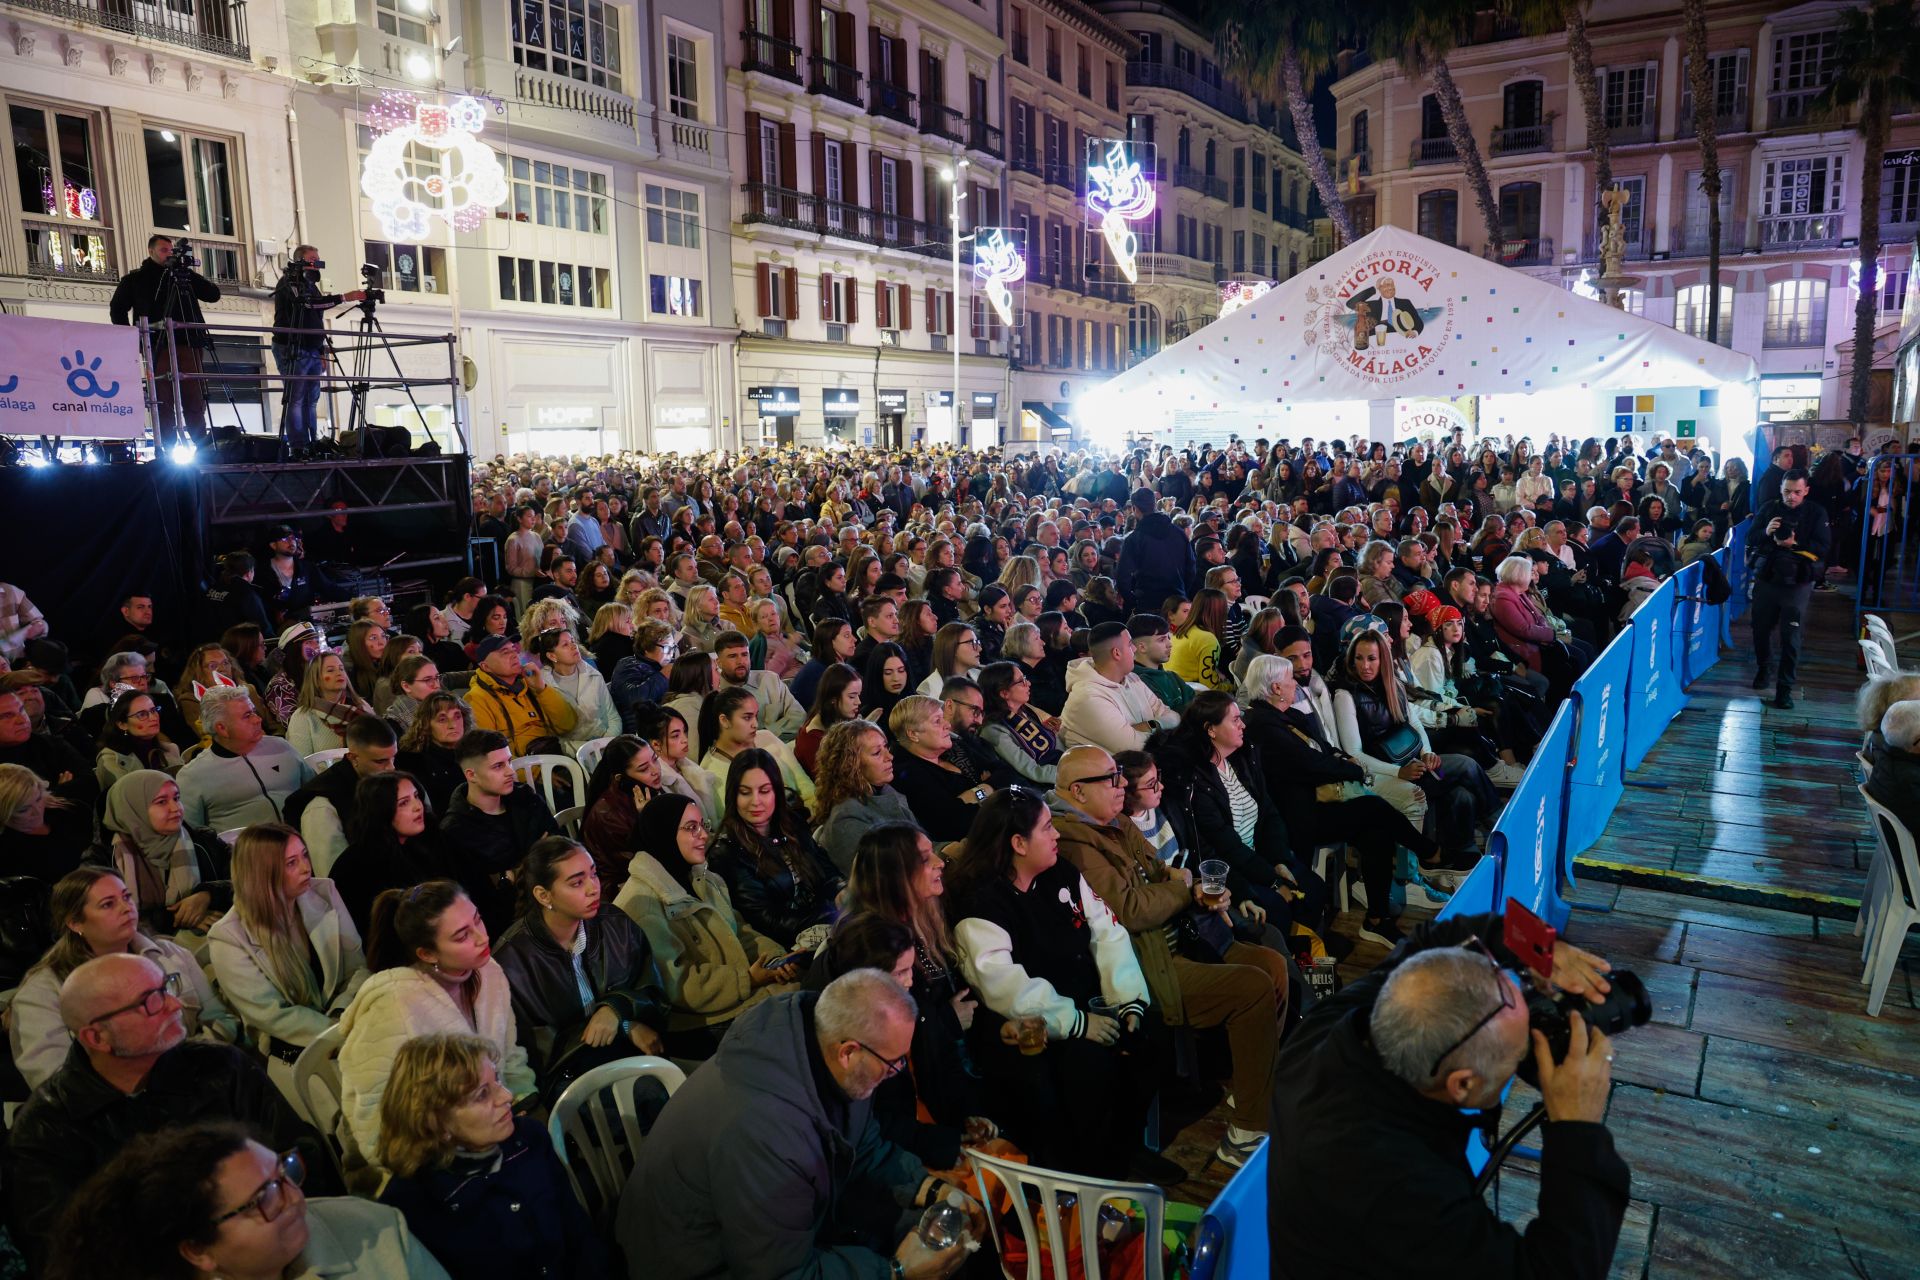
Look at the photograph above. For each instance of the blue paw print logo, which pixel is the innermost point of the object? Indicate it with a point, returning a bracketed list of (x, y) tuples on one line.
[(82, 378), (13, 381)]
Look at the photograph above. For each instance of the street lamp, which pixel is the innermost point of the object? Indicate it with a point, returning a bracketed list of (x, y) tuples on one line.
[(955, 195)]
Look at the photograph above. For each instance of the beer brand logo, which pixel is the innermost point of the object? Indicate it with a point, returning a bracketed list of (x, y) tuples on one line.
[(1384, 319)]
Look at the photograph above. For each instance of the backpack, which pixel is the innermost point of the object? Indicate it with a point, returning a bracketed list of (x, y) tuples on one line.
[(1713, 581)]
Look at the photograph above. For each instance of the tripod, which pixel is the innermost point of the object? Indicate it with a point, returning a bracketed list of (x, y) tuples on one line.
[(367, 331)]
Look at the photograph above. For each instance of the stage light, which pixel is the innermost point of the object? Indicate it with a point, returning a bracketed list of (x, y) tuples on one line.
[(183, 454)]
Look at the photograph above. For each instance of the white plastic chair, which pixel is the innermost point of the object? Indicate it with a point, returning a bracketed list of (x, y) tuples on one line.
[(606, 1140), (1021, 1179), (1330, 864), (320, 760), (1888, 909), (539, 770), (1253, 604), (570, 819), (316, 1082), (231, 834), (1879, 632), (589, 753), (1876, 659)]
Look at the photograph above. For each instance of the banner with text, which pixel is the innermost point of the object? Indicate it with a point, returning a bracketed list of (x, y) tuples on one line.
[(1529, 831), (1598, 774), (70, 378), (1655, 679)]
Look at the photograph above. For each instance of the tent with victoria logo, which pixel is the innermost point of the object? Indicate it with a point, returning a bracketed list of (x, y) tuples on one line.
[(1398, 316)]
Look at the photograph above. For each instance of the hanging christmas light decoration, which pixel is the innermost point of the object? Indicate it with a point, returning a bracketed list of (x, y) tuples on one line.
[(997, 263), (1119, 193), (1235, 294), (465, 182)]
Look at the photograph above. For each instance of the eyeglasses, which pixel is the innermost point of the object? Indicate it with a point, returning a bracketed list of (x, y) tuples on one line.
[(1508, 998), (1149, 784), (150, 1002), (1115, 779), (271, 1198), (894, 1066)]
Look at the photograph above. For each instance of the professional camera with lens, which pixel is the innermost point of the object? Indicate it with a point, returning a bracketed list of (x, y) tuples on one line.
[(1626, 1006), (373, 283), (181, 258), (299, 268)]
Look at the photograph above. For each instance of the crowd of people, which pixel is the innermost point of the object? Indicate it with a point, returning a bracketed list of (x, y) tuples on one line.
[(929, 800)]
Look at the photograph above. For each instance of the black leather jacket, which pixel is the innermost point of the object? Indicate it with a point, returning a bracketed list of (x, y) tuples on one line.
[(780, 905), (618, 962)]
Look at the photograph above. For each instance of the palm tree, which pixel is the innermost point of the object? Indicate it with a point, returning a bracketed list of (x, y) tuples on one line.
[(1275, 49), (1545, 17), (1878, 61), (1706, 127), (1419, 34)]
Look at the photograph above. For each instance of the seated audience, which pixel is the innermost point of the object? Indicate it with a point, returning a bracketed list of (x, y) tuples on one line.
[(945, 799), (1019, 735), (779, 880), (667, 731), (430, 748), (582, 979), (730, 724), (510, 695), (178, 876), (1109, 706), (245, 776), (326, 705), (1895, 777), (623, 782), (477, 1185), (40, 835), (134, 739), (837, 701), (780, 714), (394, 843), (490, 824), (322, 810), (853, 797)]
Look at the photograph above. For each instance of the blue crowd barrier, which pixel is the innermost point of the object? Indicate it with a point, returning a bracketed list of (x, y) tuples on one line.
[(1702, 623), (1232, 1241), (1597, 775), (1738, 577), (1527, 838), (1654, 681)]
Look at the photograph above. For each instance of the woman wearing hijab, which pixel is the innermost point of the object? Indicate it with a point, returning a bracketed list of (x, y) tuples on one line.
[(176, 876)]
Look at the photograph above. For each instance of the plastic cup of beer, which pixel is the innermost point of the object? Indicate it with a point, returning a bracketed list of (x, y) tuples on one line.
[(1032, 1035), (1213, 882)]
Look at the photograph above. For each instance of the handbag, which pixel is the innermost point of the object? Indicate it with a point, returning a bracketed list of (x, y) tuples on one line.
[(1399, 744), (1333, 792)]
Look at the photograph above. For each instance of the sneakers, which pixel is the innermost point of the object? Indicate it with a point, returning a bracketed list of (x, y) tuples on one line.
[(1236, 1152), (1150, 1166), (1383, 931), (1506, 776)]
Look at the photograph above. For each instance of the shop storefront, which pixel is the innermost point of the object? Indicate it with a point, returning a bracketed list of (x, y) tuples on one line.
[(890, 431), (778, 411), (840, 409)]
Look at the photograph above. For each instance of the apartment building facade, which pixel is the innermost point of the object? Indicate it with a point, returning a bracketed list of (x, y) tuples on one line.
[(865, 122), (1789, 206), (594, 304), (1232, 190)]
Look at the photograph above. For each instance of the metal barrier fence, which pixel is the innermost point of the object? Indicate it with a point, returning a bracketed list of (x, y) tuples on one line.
[(1886, 545)]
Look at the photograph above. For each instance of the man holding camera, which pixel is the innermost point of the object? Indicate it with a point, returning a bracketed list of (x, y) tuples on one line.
[(1368, 1172), (1788, 557), (166, 287), (300, 343)]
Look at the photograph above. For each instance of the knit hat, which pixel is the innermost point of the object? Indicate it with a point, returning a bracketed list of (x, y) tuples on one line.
[(1420, 602), (1441, 614)]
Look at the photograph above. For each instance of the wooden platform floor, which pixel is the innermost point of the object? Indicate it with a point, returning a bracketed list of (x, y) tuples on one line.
[(1772, 1127)]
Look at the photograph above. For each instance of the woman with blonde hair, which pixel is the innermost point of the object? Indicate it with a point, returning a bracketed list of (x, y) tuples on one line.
[(1021, 571), (852, 795), (546, 615), (634, 583), (207, 666), (1196, 643), (41, 835), (768, 648), (656, 604), (701, 626), (287, 956), (94, 915), (482, 1189), (325, 706), (610, 636)]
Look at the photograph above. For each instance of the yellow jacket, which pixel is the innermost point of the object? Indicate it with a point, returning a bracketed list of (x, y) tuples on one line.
[(523, 715)]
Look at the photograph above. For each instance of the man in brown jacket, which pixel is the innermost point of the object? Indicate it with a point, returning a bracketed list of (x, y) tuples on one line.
[(1244, 990)]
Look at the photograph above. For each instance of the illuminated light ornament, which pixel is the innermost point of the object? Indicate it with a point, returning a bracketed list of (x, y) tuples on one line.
[(1584, 287), (1235, 294), (1120, 194), (467, 183), (996, 264)]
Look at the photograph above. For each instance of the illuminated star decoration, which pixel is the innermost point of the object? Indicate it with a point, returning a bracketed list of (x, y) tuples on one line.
[(1235, 294), (997, 264), (1120, 194), (464, 185)]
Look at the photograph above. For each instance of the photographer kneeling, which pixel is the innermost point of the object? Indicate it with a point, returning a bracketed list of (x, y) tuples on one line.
[(1368, 1172), (300, 343)]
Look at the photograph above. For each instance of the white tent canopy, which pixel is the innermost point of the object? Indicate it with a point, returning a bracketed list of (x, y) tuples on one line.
[(1396, 315)]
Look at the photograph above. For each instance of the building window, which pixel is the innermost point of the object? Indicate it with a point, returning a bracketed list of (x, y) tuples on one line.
[(1627, 97), (1900, 192), (556, 195), (396, 19), (1433, 123), (673, 217), (674, 296), (571, 38), (1239, 251), (1020, 35), (190, 185), (1143, 329), (1893, 286), (1520, 211), (554, 284), (1632, 215), (1260, 183), (1239, 177), (409, 268), (62, 192), (1359, 133), (1690, 313), (1803, 62), (1440, 216), (683, 77), (1796, 313)]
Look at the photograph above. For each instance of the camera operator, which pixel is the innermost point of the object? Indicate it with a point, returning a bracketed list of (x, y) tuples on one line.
[(1788, 556), (300, 306), (1369, 1174), (166, 287)]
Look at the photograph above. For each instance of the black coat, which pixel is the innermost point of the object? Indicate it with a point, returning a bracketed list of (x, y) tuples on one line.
[(943, 815), (76, 1122), (438, 770), (144, 293), (518, 1220), (782, 904), (1341, 1117), (363, 872), (1293, 766), (618, 962), (483, 848), (1156, 561), (1196, 787)]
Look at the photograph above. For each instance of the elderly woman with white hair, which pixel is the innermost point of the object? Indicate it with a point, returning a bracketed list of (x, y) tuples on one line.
[(1323, 793), (1528, 631), (1875, 697), (1895, 779)]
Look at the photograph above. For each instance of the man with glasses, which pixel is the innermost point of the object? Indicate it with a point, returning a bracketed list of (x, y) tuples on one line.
[(1376, 1094), (1788, 554), (131, 1070), (965, 708), (747, 1171), (1200, 976)]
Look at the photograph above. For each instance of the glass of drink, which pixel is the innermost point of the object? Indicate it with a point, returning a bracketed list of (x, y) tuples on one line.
[(944, 1224), (1033, 1035), (1213, 883)]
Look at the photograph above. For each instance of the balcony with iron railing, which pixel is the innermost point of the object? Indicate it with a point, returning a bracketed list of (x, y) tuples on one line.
[(1519, 139), (1692, 242), (1360, 162), (65, 251), (1174, 266), (985, 137), (771, 55), (1520, 251), (892, 101), (1792, 107), (1196, 179), (1161, 75), (208, 26), (1028, 162), (1801, 231), (1433, 151), (1629, 133), (1294, 218), (1062, 175), (1638, 249), (691, 142), (769, 205), (835, 79), (942, 122), (1732, 115), (1796, 329)]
